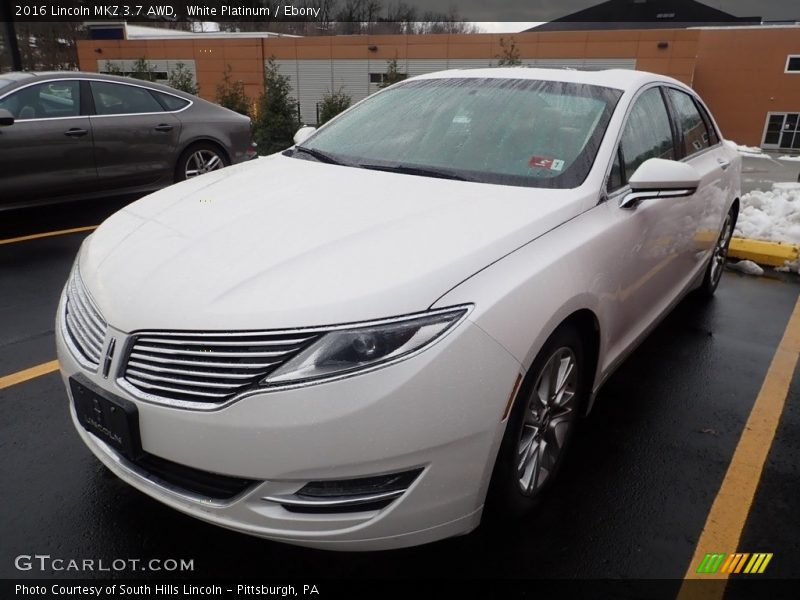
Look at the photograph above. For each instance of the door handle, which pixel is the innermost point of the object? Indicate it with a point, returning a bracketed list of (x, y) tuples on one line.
[(76, 132), (164, 127), (724, 163)]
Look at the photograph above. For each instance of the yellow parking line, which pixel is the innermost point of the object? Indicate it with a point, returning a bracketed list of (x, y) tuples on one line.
[(726, 520), (21, 376), (46, 234)]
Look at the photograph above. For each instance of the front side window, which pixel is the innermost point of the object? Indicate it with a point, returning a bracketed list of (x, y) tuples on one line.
[(647, 133), (121, 99), (512, 132), (693, 128), (50, 100)]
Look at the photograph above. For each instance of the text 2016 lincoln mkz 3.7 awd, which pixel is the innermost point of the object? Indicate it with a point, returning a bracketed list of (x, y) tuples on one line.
[(377, 336)]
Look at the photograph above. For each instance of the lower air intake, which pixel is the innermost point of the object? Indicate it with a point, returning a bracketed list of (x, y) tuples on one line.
[(348, 495)]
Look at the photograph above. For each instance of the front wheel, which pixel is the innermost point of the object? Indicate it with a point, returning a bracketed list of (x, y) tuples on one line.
[(719, 255), (540, 426), (198, 159)]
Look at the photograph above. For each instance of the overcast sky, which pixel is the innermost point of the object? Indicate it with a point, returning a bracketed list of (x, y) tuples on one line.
[(504, 11)]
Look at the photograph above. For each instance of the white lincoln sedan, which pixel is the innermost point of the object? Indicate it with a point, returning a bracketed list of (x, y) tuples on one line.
[(375, 337)]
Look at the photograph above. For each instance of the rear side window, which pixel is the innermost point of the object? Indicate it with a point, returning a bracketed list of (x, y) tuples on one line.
[(170, 102), (648, 133), (119, 99), (694, 132)]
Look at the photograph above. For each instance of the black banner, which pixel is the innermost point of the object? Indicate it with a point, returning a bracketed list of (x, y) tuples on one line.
[(676, 11), (372, 589)]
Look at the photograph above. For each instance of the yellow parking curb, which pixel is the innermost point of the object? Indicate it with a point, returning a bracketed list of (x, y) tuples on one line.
[(774, 254)]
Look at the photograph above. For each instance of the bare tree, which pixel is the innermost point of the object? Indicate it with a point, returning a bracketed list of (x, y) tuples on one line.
[(509, 57)]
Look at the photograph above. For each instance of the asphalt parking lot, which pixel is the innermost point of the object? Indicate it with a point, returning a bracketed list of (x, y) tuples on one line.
[(632, 501)]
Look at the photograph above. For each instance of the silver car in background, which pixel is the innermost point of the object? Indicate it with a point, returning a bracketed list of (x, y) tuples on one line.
[(70, 135)]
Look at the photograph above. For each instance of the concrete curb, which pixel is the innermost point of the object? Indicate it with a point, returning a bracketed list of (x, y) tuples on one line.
[(774, 254)]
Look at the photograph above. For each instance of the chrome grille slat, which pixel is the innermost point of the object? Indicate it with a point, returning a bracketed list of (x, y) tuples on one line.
[(90, 329), (210, 353), (186, 342), (238, 335), (84, 326), (154, 369), (190, 382), (80, 309), (206, 367), (153, 386), (88, 311), (77, 329), (202, 363)]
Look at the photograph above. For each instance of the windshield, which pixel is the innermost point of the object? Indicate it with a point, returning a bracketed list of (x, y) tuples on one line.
[(507, 131)]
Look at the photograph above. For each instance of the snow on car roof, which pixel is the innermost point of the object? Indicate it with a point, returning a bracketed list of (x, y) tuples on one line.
[(623, 79)]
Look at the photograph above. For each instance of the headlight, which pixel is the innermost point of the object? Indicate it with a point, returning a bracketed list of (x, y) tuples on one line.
[(343, 351)]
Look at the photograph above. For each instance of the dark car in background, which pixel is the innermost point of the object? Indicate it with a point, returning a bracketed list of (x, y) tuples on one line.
[(70, 135)]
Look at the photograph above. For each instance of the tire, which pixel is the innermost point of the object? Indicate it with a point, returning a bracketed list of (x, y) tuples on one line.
[(719, 255), (200, 158), (517, 486)]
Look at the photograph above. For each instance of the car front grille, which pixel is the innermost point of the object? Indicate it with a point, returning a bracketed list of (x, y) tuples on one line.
[(207, 368), (84, 325)]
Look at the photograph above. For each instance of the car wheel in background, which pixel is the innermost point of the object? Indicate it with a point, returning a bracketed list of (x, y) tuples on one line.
[(540, 426), (718, 257), (198, 159)]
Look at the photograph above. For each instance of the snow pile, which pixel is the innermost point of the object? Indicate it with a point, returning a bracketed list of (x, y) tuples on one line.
[(790, 267), (751, 151), (748, 267), (789, 157), (773, 215)]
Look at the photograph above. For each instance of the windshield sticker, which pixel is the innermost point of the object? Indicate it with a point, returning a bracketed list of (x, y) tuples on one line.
[(543, 162)]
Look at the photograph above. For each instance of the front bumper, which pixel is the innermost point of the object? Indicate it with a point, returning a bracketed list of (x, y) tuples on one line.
[(439, 411)]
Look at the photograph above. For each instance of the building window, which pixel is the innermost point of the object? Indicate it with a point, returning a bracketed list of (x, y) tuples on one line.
[(782, 131), (381, 77), (159, 76), (793, 63)]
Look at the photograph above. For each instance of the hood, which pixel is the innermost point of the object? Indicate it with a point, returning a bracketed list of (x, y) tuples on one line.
[(282, 242)]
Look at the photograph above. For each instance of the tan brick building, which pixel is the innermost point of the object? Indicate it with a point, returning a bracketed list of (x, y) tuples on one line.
[(750, 76)]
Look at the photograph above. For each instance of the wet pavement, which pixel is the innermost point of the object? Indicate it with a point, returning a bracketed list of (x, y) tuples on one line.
[(631, 501)]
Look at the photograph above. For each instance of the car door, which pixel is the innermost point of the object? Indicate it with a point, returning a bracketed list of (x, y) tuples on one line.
[(699, 145), (648, 241), (135, 139), (47, 152)]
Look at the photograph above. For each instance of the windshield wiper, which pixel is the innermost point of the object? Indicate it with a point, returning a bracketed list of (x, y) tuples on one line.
[(410, 170), (320, 156)]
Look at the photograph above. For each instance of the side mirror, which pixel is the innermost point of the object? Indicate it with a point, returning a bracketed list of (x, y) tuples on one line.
[(6, 118), (660, 178), (303, 133)]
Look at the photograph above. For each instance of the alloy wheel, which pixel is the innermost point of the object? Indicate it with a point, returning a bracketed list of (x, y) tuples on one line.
[(549, 416), (721, 250), (201, 162)]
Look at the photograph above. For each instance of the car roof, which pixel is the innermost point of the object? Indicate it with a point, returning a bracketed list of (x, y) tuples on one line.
[(25, 76), (622, 79)]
